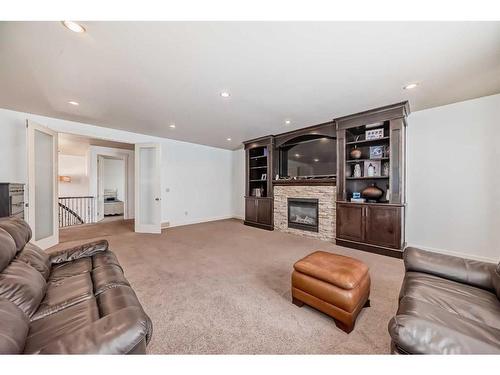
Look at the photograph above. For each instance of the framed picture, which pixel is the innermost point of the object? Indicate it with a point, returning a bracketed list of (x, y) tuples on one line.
[(372, 168), (374, 134), (263, 176), (376, 152)]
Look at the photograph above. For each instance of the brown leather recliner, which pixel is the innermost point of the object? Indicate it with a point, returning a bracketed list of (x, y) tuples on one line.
[(447, 305), (75, 301)]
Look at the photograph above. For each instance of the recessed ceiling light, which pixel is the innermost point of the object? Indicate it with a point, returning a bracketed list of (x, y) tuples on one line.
[(225, 94), (172, 126), (411, 86), (228, 139), (72, 102), (297, 155), (288, 122), (316, 160), (73, 26)]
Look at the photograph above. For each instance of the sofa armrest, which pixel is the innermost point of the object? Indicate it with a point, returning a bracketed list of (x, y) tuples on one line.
[(466, 271), (118, 333), (80, 251)]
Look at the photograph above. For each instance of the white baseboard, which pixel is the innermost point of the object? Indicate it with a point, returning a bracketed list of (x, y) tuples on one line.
[(456, 254), (198, 221)]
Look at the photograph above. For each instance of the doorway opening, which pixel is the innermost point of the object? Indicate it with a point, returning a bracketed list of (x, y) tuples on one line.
[(95, 180)]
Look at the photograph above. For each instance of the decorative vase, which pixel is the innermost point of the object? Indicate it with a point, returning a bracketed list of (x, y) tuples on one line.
[(355, 153), (372, 192), (357, 171)]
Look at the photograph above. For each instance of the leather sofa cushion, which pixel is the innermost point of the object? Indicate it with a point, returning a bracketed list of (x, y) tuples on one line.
[(64, 293), (48, 329), (424, 328), (464, 301), (107, 277), (7, 249), (105, 258), (496, 280), (35, 257), (117, 298), (23, 285), (13, 328), (18, 229), (466, 271), (122, 332), (68, 269), (344, 272)]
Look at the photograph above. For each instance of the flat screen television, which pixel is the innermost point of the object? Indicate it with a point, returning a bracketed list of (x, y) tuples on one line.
[(308, 156)]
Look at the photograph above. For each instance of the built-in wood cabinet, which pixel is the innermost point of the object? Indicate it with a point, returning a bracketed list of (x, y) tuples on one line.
[(350, 222), (372, 224), (258, 212), (377, 224), (258, 187)]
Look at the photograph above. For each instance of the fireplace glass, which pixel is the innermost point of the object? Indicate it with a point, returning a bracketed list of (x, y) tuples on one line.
[(303, 214)]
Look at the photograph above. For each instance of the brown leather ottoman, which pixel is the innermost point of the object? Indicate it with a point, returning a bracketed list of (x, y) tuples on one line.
[(334, 284)]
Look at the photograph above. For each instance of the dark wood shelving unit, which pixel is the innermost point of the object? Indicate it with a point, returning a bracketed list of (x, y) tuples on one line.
[(368, 178), (372, 226), (369, 141), (258, 190), (363, 160)]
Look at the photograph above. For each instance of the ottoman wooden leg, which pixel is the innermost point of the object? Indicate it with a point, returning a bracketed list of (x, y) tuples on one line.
[(297, 302), (347, 328)]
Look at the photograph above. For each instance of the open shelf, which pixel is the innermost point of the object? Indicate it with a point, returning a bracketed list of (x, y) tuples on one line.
[(368, 141), (367, 178), (258, 180), (258, 157), (261, 167), (362, 160)]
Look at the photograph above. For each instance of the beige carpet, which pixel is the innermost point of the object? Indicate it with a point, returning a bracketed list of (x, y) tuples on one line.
[(222, 288)]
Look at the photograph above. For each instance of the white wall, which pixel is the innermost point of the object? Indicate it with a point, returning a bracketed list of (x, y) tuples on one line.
[(198, 177), (74, 166), (238, 183), (454, 179), (114, 176)]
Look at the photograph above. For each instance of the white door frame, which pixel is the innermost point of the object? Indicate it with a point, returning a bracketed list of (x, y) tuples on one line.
[(155, 227), (100, 189), (31, 128), (100, 185)]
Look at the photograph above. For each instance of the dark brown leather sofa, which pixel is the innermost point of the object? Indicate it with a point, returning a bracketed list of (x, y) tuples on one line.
[(75, 301), (447, 305)]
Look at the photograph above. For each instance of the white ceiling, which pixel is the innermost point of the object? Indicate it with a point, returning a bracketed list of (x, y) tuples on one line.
[(143, 76)]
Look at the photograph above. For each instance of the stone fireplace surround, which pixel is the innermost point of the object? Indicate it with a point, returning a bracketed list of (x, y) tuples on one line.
[(326, 208)]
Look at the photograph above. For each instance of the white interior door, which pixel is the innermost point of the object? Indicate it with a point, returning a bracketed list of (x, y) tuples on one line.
[(42, 185), (100, 188), (147, 188)]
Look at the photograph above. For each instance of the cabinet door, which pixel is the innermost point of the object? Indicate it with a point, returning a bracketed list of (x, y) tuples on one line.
[(264, 211), (350, 223), (383, 226), (251, 209)]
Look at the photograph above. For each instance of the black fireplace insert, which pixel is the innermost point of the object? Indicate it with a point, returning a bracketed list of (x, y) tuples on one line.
[(303, 214)]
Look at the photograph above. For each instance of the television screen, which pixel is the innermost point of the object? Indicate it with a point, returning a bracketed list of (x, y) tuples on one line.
[(310, 157)]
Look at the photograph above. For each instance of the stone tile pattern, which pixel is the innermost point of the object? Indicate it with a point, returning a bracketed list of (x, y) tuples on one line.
[(326, 209)]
